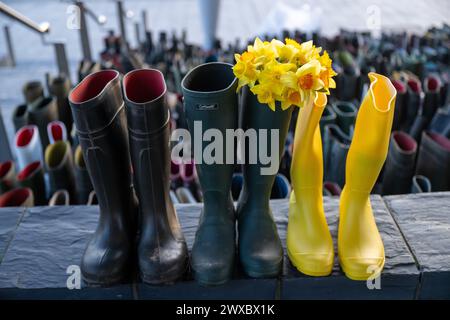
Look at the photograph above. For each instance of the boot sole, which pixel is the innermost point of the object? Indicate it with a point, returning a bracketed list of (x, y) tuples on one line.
[(160, 281), (209, 282), (313, 273), (267, 272), (106, 283)]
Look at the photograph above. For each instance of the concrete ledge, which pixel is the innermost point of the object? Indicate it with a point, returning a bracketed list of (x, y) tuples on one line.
[(400, 275), (38, 244), (424, 220)]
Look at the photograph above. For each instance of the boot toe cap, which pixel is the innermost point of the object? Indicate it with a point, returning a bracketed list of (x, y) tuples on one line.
[(260, 249), (362, 268), (212, 265), (163, 265), (312, 264), (104, 266)]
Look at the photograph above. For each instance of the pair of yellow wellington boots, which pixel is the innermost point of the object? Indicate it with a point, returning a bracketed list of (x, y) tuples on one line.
[(309, 242)]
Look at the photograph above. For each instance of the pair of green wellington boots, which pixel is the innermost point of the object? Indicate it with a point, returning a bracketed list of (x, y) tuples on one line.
[(210, 99)]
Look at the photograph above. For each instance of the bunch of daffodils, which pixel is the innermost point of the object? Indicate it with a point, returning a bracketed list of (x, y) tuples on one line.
[(290, 73)]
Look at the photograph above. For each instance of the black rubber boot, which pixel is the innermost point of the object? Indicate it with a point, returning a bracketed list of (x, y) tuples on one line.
[(399, 166), (431, 102), (400, 105), (260, 249), (433, 160), (346, 115), (59, 164), (7, 176), (99, 116), (60, 198), (33, 92), (210, 98), (441, 121), (420, 184), (32, 176), (162, 250), (82, 180), (336, 144), (18, 197), (45, 112), (328, 117), (60, 88), (413, 101), (331, 189), (20, 117)]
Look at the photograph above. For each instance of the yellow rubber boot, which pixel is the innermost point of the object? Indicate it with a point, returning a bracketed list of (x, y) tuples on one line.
[(309, 243), (360, 248)]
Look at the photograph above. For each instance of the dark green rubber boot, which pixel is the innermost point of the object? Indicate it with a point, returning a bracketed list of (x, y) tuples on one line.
[(210, 100), (328, 117), (260, 249), (346, 115)]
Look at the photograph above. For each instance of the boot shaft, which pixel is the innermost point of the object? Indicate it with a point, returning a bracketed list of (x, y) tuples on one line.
[(370, 142), (210, 99), (257, 116), (307, 159), (99, 115), (148, 121)]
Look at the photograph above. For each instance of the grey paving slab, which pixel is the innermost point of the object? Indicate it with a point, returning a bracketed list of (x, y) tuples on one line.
[(9, 221), (424, 220), (48, 241), (399, 279)]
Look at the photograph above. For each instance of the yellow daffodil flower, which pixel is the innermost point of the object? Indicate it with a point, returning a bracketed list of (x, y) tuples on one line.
[(264, 95), (245, 69), (263, 50), (327, 73), (305, 79), (291, 98), (288, 72), (272, 73)]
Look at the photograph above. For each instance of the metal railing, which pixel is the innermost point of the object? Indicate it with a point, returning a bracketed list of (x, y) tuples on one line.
[(41, 29), (84, 29)]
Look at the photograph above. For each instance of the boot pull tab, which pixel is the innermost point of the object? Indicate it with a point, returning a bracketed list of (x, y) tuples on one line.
[(207, 107)]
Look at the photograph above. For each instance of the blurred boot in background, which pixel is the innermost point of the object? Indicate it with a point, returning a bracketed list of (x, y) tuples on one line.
[(28, 147), (32, 176), (60, 168), (346, 115), (331, 189), (45, 112), (56, 131), (82, 180), (7, 176), (420, 184), (336, 145), (19, 197), (399, 165), (60, 198), (60, 87), (433, 160)]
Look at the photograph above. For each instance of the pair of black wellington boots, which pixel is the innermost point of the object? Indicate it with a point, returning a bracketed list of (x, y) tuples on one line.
[(124, 138)]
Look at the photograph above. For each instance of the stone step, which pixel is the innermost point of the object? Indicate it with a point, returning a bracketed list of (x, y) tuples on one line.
[(38, 244)]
